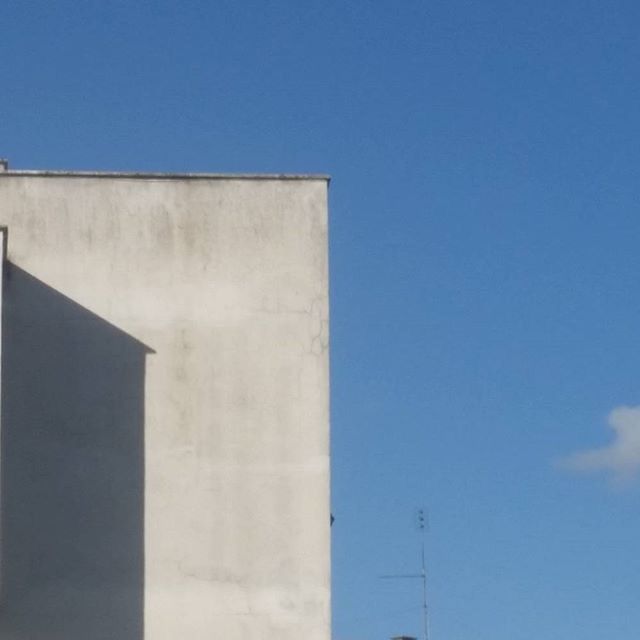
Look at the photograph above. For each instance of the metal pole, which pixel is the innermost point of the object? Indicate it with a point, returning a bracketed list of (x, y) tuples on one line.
[(424, 597), (425, 611), (422, 526)]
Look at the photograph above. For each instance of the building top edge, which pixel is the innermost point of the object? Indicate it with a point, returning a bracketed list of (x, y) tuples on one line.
[(162, 176)]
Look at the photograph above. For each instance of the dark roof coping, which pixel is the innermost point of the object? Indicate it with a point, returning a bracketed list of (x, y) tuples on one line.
[(143, 175)]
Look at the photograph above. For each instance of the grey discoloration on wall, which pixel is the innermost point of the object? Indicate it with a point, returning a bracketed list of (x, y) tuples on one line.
[(165, 408)]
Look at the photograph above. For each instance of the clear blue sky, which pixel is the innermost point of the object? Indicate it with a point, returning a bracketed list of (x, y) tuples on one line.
[(485, 267)]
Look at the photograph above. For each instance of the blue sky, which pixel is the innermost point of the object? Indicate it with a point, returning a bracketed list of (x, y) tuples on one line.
[(484, 263)]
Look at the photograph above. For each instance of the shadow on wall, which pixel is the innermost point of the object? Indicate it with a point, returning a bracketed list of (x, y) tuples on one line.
[(72, 470)]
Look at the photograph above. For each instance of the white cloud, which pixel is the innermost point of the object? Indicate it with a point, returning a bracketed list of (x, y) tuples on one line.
[(622, 456)]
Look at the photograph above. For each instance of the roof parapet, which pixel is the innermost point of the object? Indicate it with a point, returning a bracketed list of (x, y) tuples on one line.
[(159, 175)]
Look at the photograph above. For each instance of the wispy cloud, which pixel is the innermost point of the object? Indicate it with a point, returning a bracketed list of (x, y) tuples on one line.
[(621, 457)]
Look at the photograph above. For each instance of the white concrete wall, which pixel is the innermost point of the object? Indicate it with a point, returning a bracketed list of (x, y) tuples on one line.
[(165, 453)]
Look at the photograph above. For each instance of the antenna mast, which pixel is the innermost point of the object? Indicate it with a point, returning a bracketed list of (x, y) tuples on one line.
[(423, 525)]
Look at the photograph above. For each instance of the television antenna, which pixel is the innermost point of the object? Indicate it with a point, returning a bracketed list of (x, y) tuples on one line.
[(422, 523)]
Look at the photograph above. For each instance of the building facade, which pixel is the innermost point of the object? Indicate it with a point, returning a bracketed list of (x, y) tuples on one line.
[(165, 407)]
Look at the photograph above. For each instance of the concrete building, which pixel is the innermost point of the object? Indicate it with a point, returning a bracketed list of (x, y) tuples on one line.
[(165, 409)]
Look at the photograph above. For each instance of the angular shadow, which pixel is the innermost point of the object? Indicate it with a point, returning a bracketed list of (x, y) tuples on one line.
[(72, 470)]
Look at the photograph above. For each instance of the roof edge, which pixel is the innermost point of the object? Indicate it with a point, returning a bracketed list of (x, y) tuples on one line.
[(162, 176)]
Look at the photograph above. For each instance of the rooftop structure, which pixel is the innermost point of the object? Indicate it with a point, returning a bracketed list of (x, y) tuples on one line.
[(165, 407)]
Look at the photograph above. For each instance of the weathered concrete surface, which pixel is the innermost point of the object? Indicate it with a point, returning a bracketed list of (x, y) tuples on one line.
[(165, 468)]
